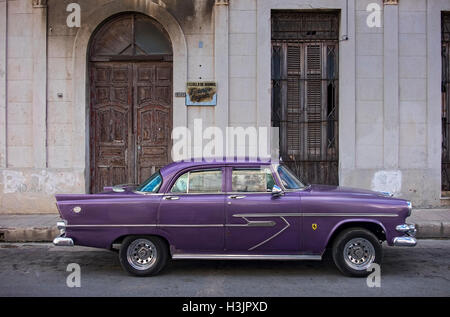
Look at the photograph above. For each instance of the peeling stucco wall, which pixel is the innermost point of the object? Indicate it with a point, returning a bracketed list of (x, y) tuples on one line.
[(387, 181), (33, 190), (421, 186), (406, 164), (44, 181)]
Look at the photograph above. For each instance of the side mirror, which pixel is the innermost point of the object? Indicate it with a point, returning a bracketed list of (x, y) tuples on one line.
[(277, 191)]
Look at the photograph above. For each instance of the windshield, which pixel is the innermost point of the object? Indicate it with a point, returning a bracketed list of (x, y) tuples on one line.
[(288, 178), (152, 184)]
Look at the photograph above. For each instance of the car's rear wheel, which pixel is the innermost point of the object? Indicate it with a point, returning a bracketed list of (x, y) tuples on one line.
[(143, 255), (355, 250)]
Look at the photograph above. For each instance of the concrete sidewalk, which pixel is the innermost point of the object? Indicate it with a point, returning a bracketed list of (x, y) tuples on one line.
[(28, 228), (430, 223)]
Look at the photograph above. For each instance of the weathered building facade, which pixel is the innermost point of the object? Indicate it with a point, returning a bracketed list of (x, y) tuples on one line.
[(359, 101)]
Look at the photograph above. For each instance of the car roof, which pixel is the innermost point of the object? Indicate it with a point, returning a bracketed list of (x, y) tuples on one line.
[(180, 165)]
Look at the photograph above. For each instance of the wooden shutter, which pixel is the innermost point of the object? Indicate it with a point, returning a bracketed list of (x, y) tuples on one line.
[(294, 109), (445, 90), (314, 99), (304, 91)]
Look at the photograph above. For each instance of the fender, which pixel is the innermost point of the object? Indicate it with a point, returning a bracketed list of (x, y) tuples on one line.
[(345, 221)]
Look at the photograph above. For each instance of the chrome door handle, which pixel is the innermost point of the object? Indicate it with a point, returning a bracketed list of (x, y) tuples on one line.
[(236, 196), (171, 197)]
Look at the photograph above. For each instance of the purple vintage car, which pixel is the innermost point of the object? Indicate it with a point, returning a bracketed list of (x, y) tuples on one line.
[(234, 210)]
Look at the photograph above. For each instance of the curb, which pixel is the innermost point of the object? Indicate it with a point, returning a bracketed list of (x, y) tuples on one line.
[(425, 230), (46, 234), (433, 229)]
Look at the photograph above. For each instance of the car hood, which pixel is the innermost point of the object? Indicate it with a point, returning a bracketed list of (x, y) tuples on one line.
[(346, 191)]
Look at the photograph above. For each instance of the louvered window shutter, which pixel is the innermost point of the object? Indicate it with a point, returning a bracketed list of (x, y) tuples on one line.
[(304, 92), (294, 96), (314, 99)]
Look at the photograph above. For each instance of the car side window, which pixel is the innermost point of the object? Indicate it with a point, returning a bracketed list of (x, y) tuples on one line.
[(252, 180), (180, 185), (200, 181)]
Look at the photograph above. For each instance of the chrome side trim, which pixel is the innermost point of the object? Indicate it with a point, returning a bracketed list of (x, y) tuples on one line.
[(273, 236), (261, 223), (248, 224), (282, 215), (208, 193), (191, 226), (190, 194), (247, 193), (268, 215), (147, 193), (330, 214), (252, 223), (96, 226), (316, 214), (193, 256)]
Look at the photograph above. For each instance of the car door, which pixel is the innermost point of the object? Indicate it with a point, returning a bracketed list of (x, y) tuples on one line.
[(258, 222), (192, 211)]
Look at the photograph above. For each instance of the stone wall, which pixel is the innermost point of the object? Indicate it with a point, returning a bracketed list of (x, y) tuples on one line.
[(389, 88), (396, 126)]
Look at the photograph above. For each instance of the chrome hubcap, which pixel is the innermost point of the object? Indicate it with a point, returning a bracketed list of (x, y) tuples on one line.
[(142, 254), (359, 253)]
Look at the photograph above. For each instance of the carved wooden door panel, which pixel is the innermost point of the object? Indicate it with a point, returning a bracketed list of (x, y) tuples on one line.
[(130, 69), (153, 116), (130, 121), (110, 124)]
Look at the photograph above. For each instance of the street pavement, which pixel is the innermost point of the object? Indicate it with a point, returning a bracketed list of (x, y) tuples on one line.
[(39, 269)]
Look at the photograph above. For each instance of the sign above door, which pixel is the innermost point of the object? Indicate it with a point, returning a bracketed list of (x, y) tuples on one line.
[(201, 94)]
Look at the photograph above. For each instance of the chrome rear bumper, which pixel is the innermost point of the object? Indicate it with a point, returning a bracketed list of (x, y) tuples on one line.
[(62, 240), (61, 225)]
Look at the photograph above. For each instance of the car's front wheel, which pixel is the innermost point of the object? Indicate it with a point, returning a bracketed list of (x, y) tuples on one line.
[(143, 255), (355, 250)]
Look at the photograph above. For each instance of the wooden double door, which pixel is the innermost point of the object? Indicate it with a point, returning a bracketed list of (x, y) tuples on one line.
[(130, 121)]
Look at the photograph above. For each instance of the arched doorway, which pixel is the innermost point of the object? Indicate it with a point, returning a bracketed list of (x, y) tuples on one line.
[(130, 76)]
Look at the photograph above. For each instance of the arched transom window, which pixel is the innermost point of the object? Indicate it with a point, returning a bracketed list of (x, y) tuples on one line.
[(131, 36)]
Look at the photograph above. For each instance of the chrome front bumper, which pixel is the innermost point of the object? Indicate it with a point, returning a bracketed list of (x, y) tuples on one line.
[(62, 240), (408, 239)]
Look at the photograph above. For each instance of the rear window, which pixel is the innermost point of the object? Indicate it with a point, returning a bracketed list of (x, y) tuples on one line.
[(252, 180), (201, 181)]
